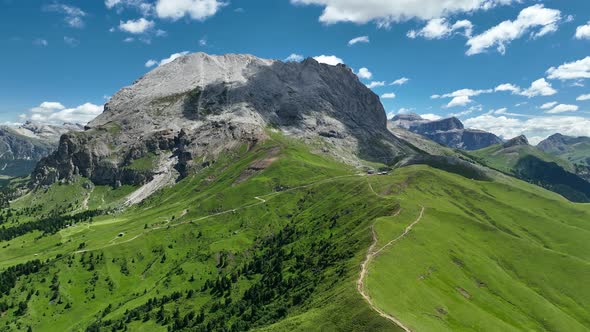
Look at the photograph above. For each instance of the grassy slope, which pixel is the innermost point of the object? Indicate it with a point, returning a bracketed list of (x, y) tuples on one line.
[(123, 272), (505, 159), (486, 256), (577, 153), (496, 232)]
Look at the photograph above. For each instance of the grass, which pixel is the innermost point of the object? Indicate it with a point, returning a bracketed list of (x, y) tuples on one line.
[(486, 256), (288, 241)]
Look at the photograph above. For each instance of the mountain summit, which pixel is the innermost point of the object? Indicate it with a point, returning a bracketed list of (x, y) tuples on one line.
[(201, 105)]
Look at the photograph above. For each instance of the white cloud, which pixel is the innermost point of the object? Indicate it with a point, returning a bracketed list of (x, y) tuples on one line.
[(73, 15), (151, 63), (389, 95), (136, 27), (361, 39), (400, 81), (536, 128), (293, 57), (535, 19), (539, 87), (385, 12), (364, 73), (203, 42), (375, 84), (459, 101), (430, 117), (328, 59), (462, 93), (111, 3), (571, 71), (547, 106), (40, 42), (583, 97), (54, 112), (439, 28), (583, 31), (508, 87), (561, 108), (172, 57), (129, 40), (196, 9)]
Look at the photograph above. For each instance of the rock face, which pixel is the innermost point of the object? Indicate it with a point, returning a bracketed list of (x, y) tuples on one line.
[(22, 147), (449, 132), (516, 141), (573, 149), (199, 106)]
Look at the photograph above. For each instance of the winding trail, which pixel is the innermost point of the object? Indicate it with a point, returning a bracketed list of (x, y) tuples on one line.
[(372, 253)]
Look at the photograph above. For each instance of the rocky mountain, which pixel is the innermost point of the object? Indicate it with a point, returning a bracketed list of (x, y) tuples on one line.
[(449, 132), (574, 149), (185, 114), (22, 147), (518, 158)]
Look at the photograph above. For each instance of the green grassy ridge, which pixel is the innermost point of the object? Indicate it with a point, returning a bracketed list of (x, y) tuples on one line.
[(505, 159), (125, 272), (535, 166), (486, 256)]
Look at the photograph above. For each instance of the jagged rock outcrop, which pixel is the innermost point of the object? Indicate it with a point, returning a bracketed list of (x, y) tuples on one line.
[(449, 132), (22, 147), (200, 105)]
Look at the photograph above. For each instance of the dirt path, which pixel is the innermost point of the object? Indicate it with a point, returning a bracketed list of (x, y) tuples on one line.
[(372, 253), (259, 200)]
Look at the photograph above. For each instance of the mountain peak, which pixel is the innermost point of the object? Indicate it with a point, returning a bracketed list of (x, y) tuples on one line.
[(203, 105), (518, 140)]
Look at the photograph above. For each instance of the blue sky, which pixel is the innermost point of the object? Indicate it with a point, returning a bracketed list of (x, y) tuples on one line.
[(476, 59)]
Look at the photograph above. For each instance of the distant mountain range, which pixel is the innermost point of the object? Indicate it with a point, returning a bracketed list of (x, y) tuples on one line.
[(22, 147), (449, 132)]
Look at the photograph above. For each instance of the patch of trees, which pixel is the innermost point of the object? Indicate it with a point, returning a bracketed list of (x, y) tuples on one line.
[(49, 225), (9, 277)]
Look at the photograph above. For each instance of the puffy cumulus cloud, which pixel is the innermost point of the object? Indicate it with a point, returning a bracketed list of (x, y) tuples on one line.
[(172, 57), (357, 40), (400, 81), (549, 105), (579, 69), (293, 57), (536, 128), (375, 84), (386, 12), (196, 9), (539, 87), (583, 31), (562, 108), (328, 59), (536, 20), (583, 97), (73, 16), (364, 73), (136, 27), (389, 95), (459, 101), (150, 63), (439, 28), (462, 97), (56, 113), (508, 87)]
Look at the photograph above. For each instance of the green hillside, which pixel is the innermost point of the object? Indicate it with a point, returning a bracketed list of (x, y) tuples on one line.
[(530, 164), (278, 247)]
